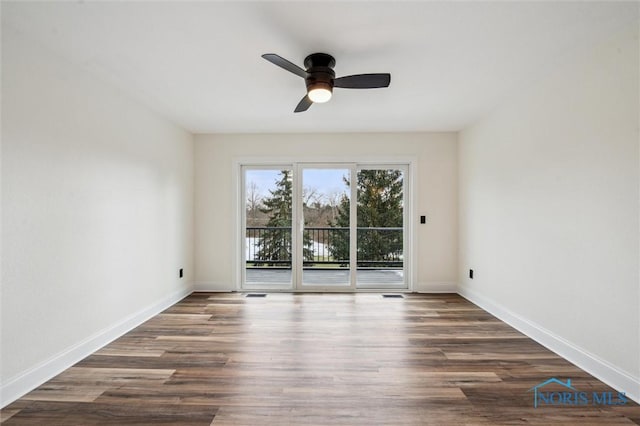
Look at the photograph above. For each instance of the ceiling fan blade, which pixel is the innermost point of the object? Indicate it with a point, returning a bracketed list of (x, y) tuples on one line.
[(363, 81), (283, 63), (304, 104)]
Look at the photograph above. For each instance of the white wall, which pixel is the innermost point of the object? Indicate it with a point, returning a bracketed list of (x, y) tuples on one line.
[(436, 189), (97, 195), (549, 210)]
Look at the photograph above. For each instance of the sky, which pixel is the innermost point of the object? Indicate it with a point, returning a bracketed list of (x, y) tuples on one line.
[(325, 181)]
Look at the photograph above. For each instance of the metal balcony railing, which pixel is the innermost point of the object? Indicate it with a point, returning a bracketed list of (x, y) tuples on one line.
[(378, 247)]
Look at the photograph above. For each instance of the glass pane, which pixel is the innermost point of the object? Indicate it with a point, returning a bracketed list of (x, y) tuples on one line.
[(380, 228), (325, 198), (268, 195)]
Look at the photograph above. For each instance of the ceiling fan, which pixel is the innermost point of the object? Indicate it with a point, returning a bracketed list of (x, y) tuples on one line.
[(321, 79)]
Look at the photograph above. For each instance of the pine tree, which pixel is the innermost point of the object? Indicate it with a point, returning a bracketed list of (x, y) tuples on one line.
[(339, 243), (275, 242), (380, 205)]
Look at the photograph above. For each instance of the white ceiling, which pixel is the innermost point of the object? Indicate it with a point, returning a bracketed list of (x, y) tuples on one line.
[(199, 64)]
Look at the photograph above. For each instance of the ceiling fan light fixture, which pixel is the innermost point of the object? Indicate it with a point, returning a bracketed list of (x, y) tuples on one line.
[(320, 92), (320, 78)]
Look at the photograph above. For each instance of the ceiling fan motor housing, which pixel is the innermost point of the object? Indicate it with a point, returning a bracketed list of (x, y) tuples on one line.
[(320, 78), (320, 71)]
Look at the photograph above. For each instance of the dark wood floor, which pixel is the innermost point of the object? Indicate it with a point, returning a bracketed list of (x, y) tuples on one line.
[(315, 359)]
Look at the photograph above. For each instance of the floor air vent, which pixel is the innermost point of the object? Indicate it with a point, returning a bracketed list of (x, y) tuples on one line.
[(256, 295), (393, 296)]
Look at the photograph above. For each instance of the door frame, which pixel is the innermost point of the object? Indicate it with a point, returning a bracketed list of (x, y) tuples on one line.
[(410, 165), (407, 247), (241, 206), (298, 284)]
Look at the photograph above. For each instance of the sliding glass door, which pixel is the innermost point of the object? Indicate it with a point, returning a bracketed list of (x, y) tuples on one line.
[(268, 218), (380, 233), (302, 229), (326, 226)]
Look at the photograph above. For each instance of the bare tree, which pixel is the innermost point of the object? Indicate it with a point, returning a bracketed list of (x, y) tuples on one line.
[(310, 196), (333, 201), (254, 200)]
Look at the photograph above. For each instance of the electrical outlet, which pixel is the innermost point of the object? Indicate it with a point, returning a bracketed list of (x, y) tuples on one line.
[(471, 273), (181, 273)]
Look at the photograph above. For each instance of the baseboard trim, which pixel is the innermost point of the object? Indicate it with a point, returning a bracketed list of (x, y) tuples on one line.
[(436, 287), (25, 382), (597, 367), (213, 287)]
